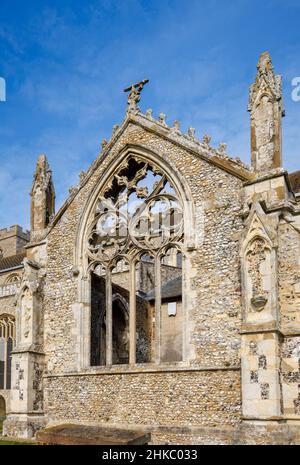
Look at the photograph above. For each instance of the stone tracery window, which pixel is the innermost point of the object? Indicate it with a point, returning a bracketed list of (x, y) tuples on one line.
[(7, 342), (13, 279), (138, 217), (10, 286)]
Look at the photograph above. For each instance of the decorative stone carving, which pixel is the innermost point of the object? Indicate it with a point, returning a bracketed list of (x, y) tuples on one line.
[(26, 310), (103, 143), (206, 139), (259, 268), (149, 113), (134, 96), (115, 128), (176, 127), (266, 109), (256, 255), (115, 229), (222, 148), (162, 119), (26, 301), (73, 190), (82, 176), (191, 132), (42, 198)]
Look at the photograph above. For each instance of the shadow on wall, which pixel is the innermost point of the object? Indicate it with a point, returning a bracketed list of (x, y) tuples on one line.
[(2, 412)]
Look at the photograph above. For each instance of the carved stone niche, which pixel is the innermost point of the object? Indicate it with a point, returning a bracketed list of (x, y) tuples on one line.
[(28, 305), (259, 269)]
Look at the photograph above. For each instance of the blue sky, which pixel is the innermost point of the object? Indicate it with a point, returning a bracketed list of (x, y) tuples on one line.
[(66, 63)]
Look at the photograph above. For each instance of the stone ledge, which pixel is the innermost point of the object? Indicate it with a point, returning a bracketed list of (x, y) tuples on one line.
[(266, 327), (78, 434), (242, 434), (140, 370)]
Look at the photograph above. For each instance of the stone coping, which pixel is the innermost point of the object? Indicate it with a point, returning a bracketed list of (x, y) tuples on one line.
[(141, 369), (76, 434)]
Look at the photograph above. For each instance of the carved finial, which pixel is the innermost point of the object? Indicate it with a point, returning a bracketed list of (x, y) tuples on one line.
[(265, 82), (103, 143), (149, 113), (191, 132), (42, 197), (134, 96), (162, 119), (73, 190), (206, 139), (176, 125), (222, 147), (266, 110), (82, 175), (115, 128)]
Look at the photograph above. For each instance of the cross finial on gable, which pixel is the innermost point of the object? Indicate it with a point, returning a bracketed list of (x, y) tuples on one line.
[(134, 96)]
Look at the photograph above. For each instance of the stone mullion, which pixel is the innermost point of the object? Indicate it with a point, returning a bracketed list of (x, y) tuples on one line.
[(157, 309), (108, 318), (132, 314)]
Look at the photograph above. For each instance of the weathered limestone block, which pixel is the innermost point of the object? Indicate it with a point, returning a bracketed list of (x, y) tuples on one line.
[(266, 110), (260, 376)]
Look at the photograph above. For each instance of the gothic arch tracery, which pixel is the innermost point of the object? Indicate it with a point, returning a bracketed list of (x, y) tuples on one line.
[(154, 220)]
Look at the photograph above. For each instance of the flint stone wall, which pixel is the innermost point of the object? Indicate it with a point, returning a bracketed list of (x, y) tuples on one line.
[(172, 399), (215, 299)]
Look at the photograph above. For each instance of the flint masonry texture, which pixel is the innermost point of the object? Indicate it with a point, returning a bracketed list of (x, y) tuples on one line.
[(239, 376)]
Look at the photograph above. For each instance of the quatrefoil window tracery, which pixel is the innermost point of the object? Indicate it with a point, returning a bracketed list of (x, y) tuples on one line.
[(138, 209)]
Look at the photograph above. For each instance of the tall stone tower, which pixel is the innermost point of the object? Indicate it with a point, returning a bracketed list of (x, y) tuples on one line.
[(264, 196), (42, 197), (266, 110)]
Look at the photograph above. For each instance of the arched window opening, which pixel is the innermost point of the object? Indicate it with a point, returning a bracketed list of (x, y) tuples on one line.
[(120, 326), (13, 279), (120, 289), (137, 216), (10, 286), (7, 342), (171, 306), (98, 322), (145, 311)]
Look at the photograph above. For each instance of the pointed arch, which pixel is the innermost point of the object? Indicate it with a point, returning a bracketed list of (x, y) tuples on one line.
[(147, 156), (131, 172), (259, 268), (7, 342)]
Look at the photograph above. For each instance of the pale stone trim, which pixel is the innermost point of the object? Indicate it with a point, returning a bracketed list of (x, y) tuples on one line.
[(141, 369)]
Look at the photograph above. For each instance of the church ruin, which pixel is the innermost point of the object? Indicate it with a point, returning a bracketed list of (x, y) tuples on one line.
[(164, 295)]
